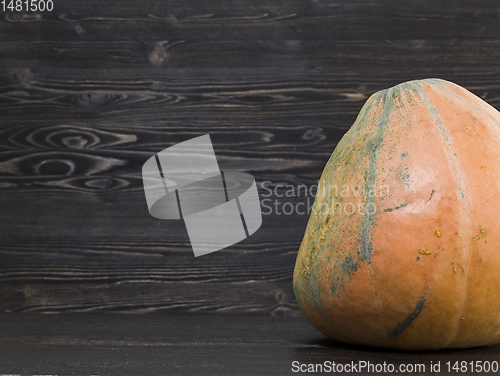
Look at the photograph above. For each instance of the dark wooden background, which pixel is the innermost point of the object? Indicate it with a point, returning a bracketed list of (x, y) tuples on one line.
[(91, 90)]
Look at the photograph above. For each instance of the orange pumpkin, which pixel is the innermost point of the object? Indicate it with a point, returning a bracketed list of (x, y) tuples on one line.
[(402, 249)]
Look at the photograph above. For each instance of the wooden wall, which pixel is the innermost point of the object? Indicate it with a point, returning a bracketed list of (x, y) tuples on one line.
[(91, 90)]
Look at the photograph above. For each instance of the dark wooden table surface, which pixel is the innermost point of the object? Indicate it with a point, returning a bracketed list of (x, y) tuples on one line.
[(155, 344)]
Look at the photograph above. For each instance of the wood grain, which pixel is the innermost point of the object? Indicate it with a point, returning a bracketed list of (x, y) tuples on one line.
[(92, 90), (196, 344)]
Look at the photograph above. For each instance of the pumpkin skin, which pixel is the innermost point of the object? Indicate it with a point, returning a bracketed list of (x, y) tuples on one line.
[(419, 267)]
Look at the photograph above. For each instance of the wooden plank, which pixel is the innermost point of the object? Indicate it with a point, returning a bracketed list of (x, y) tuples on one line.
[(128, 20), (86, 344)]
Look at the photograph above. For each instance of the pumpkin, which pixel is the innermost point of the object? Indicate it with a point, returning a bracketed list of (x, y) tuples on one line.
[(402, 248)]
